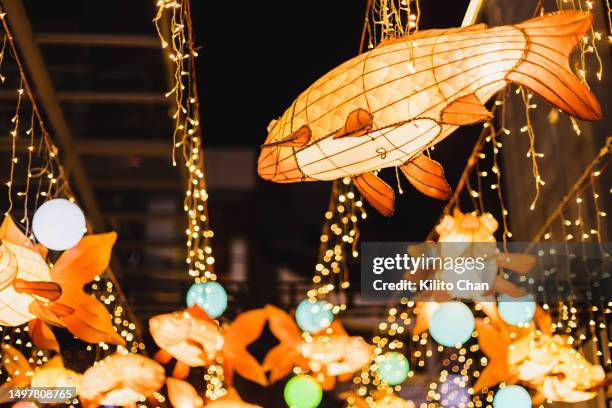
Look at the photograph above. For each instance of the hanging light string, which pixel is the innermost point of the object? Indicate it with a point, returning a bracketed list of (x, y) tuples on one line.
[(187, 139), (584, 181), (338, 243), (187, 134), (51, 182)]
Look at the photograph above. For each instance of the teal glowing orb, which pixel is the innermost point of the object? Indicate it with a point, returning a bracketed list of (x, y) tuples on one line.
[(512, 396), (209, 296), (451, 324), (517, 311), (314, 317), (303, 391), (393, 368)]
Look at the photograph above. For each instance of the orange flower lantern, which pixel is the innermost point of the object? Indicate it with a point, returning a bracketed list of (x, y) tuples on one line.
[(384, 107)]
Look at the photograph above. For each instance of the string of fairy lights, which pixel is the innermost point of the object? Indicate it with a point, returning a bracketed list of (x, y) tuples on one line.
[(393, 333), (174, 28), (187, 133), (36, 175)]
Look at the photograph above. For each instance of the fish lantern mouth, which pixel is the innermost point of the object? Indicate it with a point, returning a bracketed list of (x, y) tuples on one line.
[(266, 164)]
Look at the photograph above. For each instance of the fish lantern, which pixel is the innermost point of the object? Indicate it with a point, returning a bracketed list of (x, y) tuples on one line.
[(209, 296), (385, 107), (31, 292), (557, 371), (24, 404), (393, 368), (59, 224), (451, 324), (194, 339), (303, 391), (536, 358), (512, 396), (182, 394), (467, 228), (121, 379), (470, 236), (52, 374), (314, 316), (516, 311), (329, 354)]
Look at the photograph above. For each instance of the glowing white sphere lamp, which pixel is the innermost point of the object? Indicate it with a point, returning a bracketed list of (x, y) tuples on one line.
[(59, 224)]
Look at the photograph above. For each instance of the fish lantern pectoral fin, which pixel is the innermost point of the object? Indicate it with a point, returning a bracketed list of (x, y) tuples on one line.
[(378, 193), (47, 290), (299, 138), (465, 111), (358, 123), (427, 176)]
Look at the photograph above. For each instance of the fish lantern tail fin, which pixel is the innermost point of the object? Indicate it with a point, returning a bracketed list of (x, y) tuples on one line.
[(544, 67)]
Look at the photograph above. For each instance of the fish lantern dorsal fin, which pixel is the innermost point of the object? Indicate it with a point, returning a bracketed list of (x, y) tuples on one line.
[(299, 138), (378, 193), (465, 110), (427, 176), (358, 123)]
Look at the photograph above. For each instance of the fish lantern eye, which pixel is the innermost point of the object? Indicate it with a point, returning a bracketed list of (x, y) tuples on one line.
[(314, 316), (452, 324), (58, 224), (209, 296)]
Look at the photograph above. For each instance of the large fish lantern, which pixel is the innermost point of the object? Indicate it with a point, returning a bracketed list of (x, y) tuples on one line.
[(385, 107), (33, 293)]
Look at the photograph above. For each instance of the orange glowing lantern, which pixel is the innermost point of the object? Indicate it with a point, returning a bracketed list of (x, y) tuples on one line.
[(536, 358), (38, 295), (195, 340), (121, 379), (21, 374), (329, 354), (182, 395), (384, 107)]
